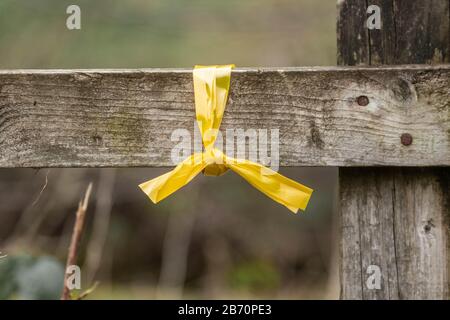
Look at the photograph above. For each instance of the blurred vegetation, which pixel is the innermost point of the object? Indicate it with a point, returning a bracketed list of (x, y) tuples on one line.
[(167, 33), (255, 276), (216, 238), (27, 277)]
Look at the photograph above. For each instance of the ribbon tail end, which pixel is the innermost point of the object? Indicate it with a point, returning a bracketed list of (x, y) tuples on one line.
[(294, 210), (146, 187), (303, 204), (306, 200)]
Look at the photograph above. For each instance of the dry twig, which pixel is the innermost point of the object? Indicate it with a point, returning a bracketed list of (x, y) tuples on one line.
[(42, 189), (76, 237)]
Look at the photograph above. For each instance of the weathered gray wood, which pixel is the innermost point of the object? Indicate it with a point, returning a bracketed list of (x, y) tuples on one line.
[(367, 232), (421, 213), (108, 118), (395, 218), (412, 32)]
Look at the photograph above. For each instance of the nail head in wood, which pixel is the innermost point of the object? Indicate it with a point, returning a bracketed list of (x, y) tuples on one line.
[(406, 139), (362, 101)]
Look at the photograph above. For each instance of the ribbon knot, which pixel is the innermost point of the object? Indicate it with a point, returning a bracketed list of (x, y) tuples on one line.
[(216, 163), (211, 86)]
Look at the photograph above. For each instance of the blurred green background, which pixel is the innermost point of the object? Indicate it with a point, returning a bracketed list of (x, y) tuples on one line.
[(216, 238)]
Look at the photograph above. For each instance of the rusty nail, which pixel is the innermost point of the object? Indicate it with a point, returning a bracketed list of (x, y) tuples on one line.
[(362, 100), (406, 139)]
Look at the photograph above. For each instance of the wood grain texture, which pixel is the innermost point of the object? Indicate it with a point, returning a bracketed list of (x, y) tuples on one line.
[(412, 32), (395, 218), (113, 118)]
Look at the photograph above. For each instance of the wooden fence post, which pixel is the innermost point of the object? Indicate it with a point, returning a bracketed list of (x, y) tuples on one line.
[(395, 218)]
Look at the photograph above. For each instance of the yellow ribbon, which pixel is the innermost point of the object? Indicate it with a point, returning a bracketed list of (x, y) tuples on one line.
[(211, 86)]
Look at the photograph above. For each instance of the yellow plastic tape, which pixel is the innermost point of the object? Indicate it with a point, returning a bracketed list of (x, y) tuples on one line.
[(211, 86)]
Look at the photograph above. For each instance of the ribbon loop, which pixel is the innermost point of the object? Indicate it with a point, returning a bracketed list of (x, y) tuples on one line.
[(216, 160), (211, 87)]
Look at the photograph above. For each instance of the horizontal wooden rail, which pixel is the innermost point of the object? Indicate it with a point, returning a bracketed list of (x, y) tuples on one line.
[(104, 118)]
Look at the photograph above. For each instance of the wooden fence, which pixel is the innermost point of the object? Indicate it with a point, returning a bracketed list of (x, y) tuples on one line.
[(386, 127)]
